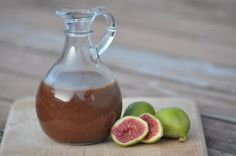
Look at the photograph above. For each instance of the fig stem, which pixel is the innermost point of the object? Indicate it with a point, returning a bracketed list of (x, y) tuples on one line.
[(183, 139)]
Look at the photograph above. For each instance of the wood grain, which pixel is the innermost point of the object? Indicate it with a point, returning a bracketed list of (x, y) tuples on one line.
[(5, 107), (224, 143), (9, 85), (23, 135), (159, 28)]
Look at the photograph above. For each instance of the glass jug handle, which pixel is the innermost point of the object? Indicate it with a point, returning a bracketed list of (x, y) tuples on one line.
[(110, 29)]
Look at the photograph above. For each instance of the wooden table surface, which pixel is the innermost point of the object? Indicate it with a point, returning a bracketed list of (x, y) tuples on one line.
[(171, 48)]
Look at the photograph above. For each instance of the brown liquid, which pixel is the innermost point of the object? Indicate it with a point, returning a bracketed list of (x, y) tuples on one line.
[(79, 116)]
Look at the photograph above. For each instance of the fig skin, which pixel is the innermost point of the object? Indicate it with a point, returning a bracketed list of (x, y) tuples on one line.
[(175, 122), (138, 108)]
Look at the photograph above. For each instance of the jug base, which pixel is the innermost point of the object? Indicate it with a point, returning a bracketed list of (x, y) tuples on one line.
[(81, 143)]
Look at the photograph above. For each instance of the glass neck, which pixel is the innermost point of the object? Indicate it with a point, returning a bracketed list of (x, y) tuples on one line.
[(78, 27), (78, 51), (78, 40)]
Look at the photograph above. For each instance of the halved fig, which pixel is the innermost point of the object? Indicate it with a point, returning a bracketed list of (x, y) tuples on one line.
[(129, 130), (155, 129)]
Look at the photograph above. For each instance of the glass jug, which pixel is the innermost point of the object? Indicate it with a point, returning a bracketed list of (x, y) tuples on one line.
[(79, 99)]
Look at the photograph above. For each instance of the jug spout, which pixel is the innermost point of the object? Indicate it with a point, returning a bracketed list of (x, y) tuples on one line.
[(77, 21)]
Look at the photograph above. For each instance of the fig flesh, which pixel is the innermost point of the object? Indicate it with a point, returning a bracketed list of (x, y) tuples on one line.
[(155, 130)]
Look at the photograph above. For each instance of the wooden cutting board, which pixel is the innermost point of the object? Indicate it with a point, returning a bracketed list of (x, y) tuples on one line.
[(24, 137)]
